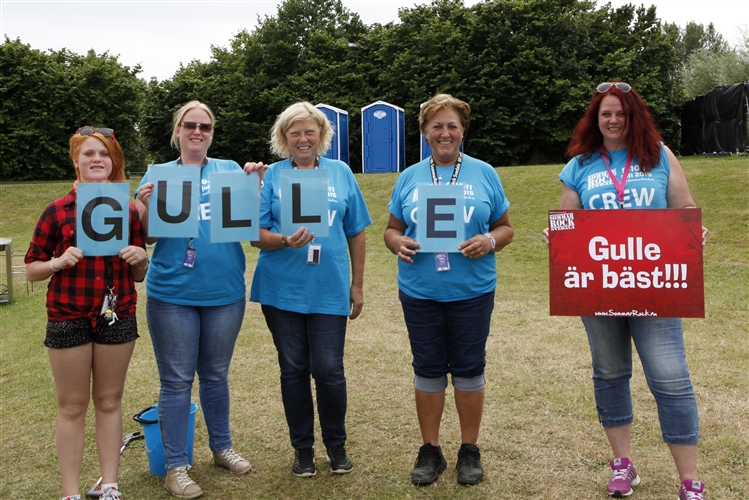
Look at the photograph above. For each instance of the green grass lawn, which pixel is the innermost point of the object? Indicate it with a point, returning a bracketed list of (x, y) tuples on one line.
[(540, 436)]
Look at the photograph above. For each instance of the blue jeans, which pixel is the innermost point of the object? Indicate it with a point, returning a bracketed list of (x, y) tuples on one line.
[(187, 339), (311, 344), (660, 345)]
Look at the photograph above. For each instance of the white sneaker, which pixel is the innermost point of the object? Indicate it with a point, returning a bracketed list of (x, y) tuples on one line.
[(110, 494)]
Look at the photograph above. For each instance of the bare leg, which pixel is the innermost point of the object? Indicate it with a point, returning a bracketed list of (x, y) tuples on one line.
[(110, 367), (429, 407), (71, 369), (620, 439), (685, 458), (470, 406)]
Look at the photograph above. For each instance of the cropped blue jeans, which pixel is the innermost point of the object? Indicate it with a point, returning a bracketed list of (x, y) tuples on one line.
[(311, 344), (186, 340), (660, 346)]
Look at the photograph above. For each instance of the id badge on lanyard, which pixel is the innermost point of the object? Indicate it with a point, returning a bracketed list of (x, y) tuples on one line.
[(190, 255), (442, 259)]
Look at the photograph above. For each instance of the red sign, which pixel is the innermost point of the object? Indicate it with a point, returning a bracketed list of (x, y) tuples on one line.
[(626, 263)]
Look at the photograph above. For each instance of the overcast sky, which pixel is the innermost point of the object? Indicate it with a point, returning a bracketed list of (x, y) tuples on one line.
[(159, 35)]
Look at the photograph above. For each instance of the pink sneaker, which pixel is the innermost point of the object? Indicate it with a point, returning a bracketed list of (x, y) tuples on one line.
[(692, 490), (623, 477)]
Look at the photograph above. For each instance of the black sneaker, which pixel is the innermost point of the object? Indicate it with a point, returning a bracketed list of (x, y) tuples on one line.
[(304, 463), (469, 465), (339, 461), (429, 465)]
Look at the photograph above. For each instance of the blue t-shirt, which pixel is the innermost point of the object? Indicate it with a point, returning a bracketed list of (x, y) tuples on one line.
[(591, 181), (282, 278), (217, 278), (485, 203)]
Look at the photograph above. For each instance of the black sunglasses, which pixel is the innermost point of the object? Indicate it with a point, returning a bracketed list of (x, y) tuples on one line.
[(204, 127), (106, 132), (624, 87)]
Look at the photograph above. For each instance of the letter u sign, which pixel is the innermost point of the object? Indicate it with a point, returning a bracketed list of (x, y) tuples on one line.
[(173, 207)]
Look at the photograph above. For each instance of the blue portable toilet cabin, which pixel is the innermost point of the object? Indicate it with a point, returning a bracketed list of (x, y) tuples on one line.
[(383, 138), (425, 149), (339, 145)]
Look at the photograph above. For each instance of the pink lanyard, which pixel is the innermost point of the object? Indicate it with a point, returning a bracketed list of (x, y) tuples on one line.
[(618, 185)]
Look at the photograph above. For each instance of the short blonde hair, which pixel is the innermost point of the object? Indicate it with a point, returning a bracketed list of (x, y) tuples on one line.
[(299, 111), (180, 114), (113, 148), (444, 101)]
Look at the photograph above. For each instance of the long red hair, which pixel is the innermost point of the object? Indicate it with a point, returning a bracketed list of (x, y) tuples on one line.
[(643, 139), (113, 147)]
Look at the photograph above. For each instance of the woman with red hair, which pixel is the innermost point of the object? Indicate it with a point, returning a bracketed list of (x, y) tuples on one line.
[(91, 328), (620, 162)]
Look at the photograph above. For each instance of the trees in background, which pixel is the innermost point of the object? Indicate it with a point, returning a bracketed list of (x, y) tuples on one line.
[(45, 97), (527, 67), (706, 60)]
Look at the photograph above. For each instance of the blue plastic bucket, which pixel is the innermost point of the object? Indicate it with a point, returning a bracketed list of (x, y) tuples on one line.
[(149, 420)]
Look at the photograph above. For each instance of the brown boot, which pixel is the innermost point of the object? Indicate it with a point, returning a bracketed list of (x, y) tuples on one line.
[(180, 485)]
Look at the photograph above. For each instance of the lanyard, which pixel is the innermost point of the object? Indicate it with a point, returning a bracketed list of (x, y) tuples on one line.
[(617, 184), (205, 162), (179, 164), (456, 171), (296, 167)]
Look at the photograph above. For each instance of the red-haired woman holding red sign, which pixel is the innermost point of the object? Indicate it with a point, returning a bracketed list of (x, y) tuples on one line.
[(620, 162), (92, 329)]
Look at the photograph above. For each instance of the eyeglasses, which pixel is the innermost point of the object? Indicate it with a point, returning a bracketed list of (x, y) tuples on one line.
[(106, 132), (204, 127), (624, 87)]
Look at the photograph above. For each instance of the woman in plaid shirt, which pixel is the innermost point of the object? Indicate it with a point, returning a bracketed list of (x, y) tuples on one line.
[(91, 328)]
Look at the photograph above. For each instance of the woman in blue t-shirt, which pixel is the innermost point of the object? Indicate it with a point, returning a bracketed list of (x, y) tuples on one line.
[(620, 162), (195, 306), (303, 285), (448, 297)]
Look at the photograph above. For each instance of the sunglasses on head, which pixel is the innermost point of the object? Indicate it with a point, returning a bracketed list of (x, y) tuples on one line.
[(624, 87), (204, 127), (106, 132)]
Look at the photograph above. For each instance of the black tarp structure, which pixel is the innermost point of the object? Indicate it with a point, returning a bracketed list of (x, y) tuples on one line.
[(717, 121)]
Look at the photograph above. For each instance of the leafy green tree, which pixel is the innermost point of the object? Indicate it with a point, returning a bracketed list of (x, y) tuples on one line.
[(305, 53), (45, 97), (705, 71), (715, 63)]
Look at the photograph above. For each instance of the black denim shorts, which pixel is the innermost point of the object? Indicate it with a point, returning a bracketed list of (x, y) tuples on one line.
[(75, 332)]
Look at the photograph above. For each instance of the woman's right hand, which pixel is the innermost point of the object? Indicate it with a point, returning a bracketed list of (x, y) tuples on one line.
[(258, 167), (406, 248), (144, 193), (546, 236), (68, 259), (300, 238)]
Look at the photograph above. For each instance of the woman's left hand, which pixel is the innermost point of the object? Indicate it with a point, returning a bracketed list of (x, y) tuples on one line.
[(357, 301), (258, 167), (476, 247), (705, 232), (134, 255)]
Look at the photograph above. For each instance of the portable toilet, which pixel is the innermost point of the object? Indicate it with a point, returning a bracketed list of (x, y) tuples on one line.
[(383, 138), (425, 149), (339, 145)]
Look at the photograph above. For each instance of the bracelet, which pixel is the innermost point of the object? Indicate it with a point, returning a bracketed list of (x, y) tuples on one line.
[(491, 239), (285, 243), (148, 262), (50, 265)]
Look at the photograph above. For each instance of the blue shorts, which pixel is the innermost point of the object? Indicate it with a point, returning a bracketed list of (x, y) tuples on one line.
[(448, 337)]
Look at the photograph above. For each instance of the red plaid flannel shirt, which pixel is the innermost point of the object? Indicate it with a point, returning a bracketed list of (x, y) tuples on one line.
[(79, 291)]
